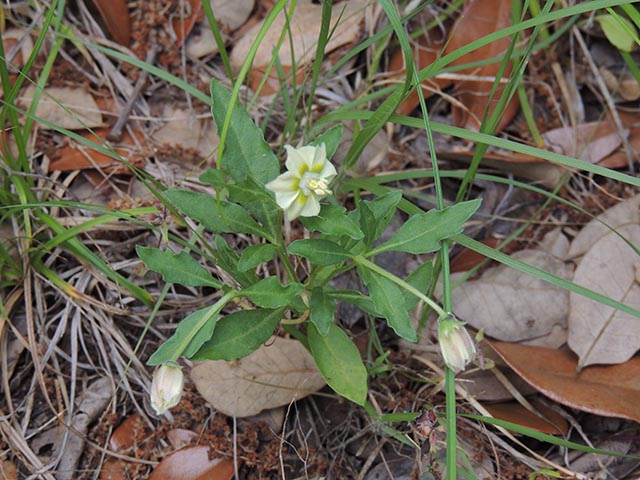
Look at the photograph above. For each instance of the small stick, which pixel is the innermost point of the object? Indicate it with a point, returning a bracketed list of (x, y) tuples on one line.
[(116, 131)]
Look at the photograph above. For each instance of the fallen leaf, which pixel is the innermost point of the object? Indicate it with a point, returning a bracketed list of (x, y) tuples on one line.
[(304, 26), (70, 108), (549, 421), (116, 17), (193, 463), (610, 391), (467, 258), (182, 128), (123, 438), (375, 152), (230, 15), (599, 333), (18, 46), (625, 213), (181, 437), (8, 470), (590, 142), (76, 156), (276, 374), (183, 24), (619, 158), (513, 306), (478, 19)]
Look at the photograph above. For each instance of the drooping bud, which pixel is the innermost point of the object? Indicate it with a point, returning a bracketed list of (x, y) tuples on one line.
[(166, 388), (457, 347)]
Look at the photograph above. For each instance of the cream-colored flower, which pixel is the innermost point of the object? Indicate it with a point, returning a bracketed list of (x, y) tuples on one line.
[(457, 347), (166, 388), (306, 181)]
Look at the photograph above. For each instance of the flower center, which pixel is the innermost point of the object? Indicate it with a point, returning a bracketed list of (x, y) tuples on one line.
[(311, 182)]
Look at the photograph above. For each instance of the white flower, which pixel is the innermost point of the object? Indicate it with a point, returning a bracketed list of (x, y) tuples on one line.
[(306, 181), (166, 388), (457, 347)]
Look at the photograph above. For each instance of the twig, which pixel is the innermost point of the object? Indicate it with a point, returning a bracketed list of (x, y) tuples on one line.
[(116, 131)]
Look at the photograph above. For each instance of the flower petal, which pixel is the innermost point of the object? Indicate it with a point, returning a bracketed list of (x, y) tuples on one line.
[(287, 182), (319, 158), (285, 199), (311, 208), (296, 207), (299, 160), (328, 171)]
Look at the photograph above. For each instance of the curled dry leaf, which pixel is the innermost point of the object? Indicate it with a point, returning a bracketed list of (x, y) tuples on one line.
[(70, 108), (590, 142), (8, 470), (183, 129), (513, 306), (274, 375), (304, 26), (625, 213), (599, 333), (18, 45), (193, 463), (610, 391)]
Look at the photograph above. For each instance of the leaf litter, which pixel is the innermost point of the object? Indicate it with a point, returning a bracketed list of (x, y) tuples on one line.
[(566, 385)]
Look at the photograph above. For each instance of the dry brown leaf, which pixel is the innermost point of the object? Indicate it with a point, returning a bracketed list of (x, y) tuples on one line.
[(116, 17), (610, 391), (549, 422), (599, 333), (625, 213), (590, 142), (76, 156), (182, 128), (14, 39), (273, 375), (305, 29), (193, 463), (8, 470), (70, 108), (619, 159), (182, 26), (230, 15), (478, 19), (513, 306), (467, 258)]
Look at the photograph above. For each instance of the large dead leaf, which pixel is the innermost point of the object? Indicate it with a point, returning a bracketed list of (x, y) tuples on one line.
[(116, 17), (76, 156), (305, 29), (513, 306), (193, 463), (610, 391), (272, 376), (547, 420), (230, 15), (70, 108), (625, 213), (590, 142), (478, 19), (187, 131), (599, 333)]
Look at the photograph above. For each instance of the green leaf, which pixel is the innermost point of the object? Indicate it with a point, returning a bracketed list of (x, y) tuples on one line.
[(333, 220), (389, 301), (239, 334), (319, 251), (339, 362), (422, 233), (374, 215), (191, 334), (260, 203), (618, 31), (179, 268), (216, 216), (246, 153), (322, 308), (254, 255), (356, 298), (331, 139), (270, 293), (368, 224), (420, 279), (214, 177), (228, 259)]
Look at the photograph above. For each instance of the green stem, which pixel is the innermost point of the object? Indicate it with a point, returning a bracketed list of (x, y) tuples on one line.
[(401, 283), (284, 258)]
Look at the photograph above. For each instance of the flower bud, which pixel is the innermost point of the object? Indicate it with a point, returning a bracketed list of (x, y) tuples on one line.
[(166, 388), (457, 347)]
